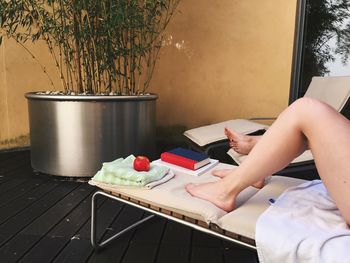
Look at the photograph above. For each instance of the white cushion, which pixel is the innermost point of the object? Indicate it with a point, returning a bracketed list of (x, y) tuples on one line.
[(243, 219), (334, 91), (239, 158), (173, 196)]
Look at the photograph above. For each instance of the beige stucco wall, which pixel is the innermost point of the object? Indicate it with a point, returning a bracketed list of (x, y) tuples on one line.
[(222, 60), (233, 61), (20, 73)]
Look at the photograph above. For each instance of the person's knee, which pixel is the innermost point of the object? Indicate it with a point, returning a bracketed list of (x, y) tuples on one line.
[(306, 102), (307, 106), (303, 109), (307, 109)]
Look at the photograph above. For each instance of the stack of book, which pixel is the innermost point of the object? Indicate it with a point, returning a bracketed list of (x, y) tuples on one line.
[(187, 161), (185, 158)]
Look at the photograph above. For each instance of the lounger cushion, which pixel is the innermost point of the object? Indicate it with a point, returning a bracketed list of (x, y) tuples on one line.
[(239, 158), (173, 196), (242, 220), (212, 133), (334, 91)]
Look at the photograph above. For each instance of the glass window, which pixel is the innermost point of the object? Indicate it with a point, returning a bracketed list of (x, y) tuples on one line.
[(326, 41)]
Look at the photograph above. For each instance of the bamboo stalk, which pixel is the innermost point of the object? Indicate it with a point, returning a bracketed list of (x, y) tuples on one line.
[(77, 52), (43, 68)]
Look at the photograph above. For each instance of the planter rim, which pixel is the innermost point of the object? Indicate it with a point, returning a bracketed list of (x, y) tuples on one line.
[(35, 96)]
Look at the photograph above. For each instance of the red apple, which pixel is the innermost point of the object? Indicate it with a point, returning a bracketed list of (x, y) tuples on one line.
[(141, 164)]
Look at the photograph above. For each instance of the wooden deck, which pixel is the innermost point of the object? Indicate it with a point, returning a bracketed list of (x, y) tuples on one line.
[(47, 219)]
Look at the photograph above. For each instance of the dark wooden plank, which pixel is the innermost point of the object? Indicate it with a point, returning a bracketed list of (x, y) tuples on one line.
[(48, 247), (79, 249), (236, 253), (106, 214), (20, 191), (5, 155), (16, 163), (207, 254), (11, 184), (150, 232), (206, 248), (12, 251), (43, 251), (51, 217), (173, 254), (71, 223), (4, 179), (201, 239), (25, 171), (4, 237), (16, 206), (177, 234), (13, 170), (28, 237), (146, 241), (10, 158), (175, 245), (116, 250), (25, 217), (140, 253)]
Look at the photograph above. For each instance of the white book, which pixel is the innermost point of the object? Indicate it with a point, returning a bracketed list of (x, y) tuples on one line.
[(215, 132), (176, 168)]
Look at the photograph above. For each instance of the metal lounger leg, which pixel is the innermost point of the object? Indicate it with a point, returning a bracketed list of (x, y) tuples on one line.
[(104, 243)]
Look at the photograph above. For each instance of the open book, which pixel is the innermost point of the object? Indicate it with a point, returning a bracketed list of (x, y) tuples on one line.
[(215, 132)]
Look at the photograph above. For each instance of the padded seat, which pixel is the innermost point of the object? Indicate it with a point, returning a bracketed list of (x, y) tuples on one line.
[(172, 197), (242, 220)]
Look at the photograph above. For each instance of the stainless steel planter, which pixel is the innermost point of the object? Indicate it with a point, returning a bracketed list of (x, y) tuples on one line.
[(73, 135)]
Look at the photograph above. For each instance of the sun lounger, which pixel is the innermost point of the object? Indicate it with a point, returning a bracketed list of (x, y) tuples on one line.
[(171, 201), (288, 220), (334, 91)]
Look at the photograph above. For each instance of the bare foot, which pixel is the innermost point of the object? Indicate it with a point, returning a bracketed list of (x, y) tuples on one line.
[(214, 193), (241, 143), (224, 172)]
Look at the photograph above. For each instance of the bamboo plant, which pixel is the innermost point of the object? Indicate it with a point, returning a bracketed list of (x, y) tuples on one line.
[(98, 47)]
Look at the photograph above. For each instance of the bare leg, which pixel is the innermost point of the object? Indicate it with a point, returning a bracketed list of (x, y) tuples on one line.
[(241, 143), (328, 136), (224, 172)]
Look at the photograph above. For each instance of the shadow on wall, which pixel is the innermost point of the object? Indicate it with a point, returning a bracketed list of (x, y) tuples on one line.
[(169, 137)]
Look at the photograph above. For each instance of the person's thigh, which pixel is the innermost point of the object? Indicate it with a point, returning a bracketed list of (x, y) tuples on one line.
[(328, 135)]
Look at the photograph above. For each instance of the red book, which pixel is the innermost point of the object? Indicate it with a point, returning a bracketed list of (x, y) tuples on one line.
[(185, 158)]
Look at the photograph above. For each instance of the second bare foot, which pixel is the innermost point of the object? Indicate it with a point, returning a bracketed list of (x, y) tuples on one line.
[(241, 143)]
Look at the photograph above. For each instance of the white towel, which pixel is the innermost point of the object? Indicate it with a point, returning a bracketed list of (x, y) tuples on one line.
[(303, 225), (148, 186)]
